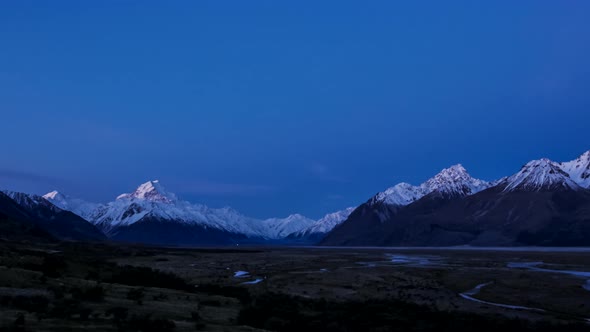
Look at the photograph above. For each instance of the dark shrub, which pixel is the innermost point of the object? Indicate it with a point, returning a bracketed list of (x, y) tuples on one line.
[(145, 323), (92, 294), (239, 293), (195, 316), (290, 314), (65, 308), (35, 303), (160, 297), (212, 303), (53, 266), (136, 294), (119, 314), (147, 277), (85, 313)]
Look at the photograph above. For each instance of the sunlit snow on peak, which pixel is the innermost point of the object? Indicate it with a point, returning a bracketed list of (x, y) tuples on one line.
[(54, 195), (151, 191), (539, 175), (452, 181), (579, 169)]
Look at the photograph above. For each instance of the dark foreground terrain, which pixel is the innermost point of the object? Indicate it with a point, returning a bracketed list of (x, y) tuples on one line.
[(85, 287)]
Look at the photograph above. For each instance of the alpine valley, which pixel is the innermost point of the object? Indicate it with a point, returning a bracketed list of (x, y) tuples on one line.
[(546, 203)]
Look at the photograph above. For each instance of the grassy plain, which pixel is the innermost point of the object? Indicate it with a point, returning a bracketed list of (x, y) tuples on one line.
[(111, 287)]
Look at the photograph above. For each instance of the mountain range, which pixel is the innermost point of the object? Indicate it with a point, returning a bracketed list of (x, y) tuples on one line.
[(151, 214), (545, 203)]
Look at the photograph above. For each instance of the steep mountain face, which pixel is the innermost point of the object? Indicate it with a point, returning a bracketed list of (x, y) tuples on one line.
[(61, 224), (80, 207), (536, 213), (151, 207), (579, 170), (369, 221), (154, 230), (15, 224), (150, 191), (153, 215), (540, 205), (540, 175), (318, 229)]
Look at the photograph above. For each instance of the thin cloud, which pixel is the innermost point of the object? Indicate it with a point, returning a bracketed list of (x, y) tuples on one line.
[(222, 189), (26, 176), (28, 182)]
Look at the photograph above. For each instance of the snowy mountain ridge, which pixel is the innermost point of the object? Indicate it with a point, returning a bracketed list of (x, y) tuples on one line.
[(450, 181), (538, 175), (325, 224), (579, 169), (28, 201), (151, 201), (456, 181), (80, 207)]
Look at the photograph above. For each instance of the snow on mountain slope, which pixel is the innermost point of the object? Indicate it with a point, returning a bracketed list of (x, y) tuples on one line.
[(30, 201), (401, 194), (329, 221), (455, 181), (151, 201), (326, 224), (579, 169), (80, 207), (278, 228), (540, 175), (452, 181)]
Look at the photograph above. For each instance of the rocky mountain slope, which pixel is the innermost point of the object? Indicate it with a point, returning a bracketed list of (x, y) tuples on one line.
[(370, 218), (40, 216), (545, 203)]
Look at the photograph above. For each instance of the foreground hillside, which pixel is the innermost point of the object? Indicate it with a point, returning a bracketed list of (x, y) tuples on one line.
[(76, 287)]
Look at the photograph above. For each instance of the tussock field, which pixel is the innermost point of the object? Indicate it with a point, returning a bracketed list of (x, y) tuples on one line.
[(72, 286)]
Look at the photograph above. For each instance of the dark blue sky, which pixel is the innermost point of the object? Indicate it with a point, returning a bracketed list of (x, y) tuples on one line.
[(276, 107)]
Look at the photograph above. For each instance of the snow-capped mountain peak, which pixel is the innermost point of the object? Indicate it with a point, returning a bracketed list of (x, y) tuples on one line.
[(54, 195), (455, 181), (452, 181), (540, 175), (579, 169), (151, 191)]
